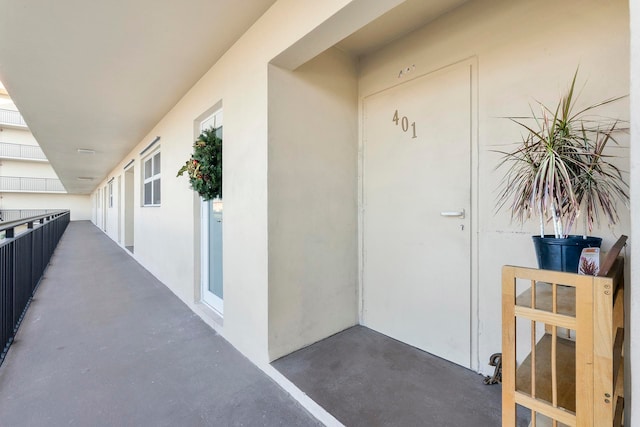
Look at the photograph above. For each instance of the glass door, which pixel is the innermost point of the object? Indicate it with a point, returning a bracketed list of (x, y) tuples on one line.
[(212, 288), (211, 247)]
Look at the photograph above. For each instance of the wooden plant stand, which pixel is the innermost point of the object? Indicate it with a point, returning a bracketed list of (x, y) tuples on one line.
[(573, 375)]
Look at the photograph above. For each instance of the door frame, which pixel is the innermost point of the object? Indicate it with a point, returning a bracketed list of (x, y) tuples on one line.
[(128, 240), (105, 207), (204, 296), (119, 209), (390, 83), (207, 297)]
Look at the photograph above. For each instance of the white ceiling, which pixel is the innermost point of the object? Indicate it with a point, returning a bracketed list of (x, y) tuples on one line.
[(101, 74), (399, 21)]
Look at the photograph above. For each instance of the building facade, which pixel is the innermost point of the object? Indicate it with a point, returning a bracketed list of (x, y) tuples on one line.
[(28, 184), (360, 146), (340, 154)]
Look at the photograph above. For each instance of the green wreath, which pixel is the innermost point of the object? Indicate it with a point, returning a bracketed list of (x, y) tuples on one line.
[(205, 165)]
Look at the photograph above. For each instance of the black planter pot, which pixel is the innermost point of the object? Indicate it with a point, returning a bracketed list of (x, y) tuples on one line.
[(562, 254)]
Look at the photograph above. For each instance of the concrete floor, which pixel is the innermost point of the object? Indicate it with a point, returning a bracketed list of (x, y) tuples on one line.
[(367, 379), (106, 344)]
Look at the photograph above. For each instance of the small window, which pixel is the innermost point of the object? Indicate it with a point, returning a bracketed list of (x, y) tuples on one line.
[(151, 183), (111, 194), (212, 122)]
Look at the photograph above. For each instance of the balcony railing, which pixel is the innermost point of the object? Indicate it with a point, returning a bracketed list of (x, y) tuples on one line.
[(31, 185), (23, 258), (21, 151), (7, 215), (11, 118)]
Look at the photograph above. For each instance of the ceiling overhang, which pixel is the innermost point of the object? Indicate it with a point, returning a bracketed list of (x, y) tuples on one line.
[(100, 75), (91, 79)]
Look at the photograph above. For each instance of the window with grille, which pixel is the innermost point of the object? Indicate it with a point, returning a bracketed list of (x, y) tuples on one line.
[(151, 184)]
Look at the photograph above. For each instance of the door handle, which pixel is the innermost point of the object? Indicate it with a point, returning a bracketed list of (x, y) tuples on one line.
[(453, 214)]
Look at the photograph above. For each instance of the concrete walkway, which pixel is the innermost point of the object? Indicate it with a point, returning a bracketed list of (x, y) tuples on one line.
[(364, 379), (105, 344)]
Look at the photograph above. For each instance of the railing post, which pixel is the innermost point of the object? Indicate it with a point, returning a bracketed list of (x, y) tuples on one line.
[(13, 288), (23, 260)]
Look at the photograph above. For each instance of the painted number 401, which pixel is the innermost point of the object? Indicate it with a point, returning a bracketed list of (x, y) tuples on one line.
[(403, 122)]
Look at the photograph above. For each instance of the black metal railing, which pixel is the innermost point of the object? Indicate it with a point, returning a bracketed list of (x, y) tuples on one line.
[(25, 250)]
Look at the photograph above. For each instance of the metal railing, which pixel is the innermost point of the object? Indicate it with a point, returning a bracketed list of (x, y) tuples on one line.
[(21, 151), (15, 214), (11, 117), (31, 184), (23, 259)]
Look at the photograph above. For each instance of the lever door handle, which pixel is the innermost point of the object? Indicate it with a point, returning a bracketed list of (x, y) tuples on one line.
[(453, 214)]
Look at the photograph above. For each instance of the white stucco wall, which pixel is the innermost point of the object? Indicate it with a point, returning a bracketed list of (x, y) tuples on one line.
[(313, 193), (24, 168), (264, 292), (517, 64), (166, 237), (80, 205), (17, 136)]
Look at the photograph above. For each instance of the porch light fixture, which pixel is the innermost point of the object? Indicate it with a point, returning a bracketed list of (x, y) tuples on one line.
[(217, 205), (86, 151), (85, 178)]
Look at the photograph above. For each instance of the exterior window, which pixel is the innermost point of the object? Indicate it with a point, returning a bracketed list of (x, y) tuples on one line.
[(214, 121), (151, 184), (111, 194)]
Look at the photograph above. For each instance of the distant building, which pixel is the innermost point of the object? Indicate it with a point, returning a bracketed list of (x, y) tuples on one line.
[(28, 184)]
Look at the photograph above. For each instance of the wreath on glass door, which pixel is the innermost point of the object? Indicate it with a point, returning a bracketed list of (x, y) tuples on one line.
[(205, 165)]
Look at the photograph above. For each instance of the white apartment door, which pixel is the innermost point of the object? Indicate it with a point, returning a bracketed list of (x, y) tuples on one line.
[(129, 188), (416, 212), (105, 204), (212, 289), (119, 207)]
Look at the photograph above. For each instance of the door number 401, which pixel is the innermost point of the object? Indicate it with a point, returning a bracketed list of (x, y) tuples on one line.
[(403, 122)]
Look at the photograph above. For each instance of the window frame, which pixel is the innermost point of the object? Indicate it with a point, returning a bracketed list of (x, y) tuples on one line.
[(111, 194), (156, 176)]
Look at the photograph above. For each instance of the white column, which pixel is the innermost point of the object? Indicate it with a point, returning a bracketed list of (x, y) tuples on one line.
[(633, 406)]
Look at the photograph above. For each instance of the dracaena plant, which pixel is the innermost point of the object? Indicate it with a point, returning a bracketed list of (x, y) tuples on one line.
[(561, 170)]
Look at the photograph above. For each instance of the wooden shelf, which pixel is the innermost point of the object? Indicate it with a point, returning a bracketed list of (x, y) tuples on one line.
[(566, 366), (566, 299), (578, 381)]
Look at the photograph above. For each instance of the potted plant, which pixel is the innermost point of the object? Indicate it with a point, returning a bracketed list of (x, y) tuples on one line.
[(561, 173), (204, 167)]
